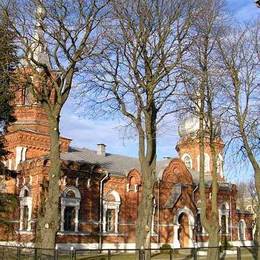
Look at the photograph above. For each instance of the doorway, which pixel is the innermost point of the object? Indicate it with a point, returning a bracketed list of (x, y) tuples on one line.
[(183, 231)]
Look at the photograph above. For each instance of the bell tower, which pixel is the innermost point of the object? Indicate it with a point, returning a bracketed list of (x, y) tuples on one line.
[(188, 148), (28, 137)]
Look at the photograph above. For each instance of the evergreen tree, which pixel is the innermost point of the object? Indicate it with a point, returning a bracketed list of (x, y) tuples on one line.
[(8, 61)]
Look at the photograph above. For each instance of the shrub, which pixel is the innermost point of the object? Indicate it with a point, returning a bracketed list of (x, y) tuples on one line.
[(165, 248)]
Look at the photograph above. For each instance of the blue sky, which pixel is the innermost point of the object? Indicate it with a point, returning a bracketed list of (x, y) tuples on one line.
[(87, 132)]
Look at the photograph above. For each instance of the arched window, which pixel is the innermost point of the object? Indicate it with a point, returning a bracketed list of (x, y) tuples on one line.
[(199, 227), (133, 181), (133, 184), (241, 229), (224, 218), (249, 208), (26, 193), (70, 205), (187, 161), (25, 209), (111, 205)]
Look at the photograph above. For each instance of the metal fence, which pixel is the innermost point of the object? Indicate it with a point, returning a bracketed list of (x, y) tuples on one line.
[(26, 253)]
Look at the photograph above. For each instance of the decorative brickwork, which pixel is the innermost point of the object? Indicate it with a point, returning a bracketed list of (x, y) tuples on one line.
[(100, 192)]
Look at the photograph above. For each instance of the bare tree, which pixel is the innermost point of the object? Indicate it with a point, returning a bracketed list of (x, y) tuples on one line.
[(240, 56), (201, 98), (55, 45), (246, 196), (138, 76)]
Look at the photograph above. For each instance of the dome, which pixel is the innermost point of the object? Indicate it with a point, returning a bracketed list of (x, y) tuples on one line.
[(189, 126)]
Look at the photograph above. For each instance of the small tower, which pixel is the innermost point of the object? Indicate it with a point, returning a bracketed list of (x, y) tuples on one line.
[(188, 147), (28, 137), (29, 114)]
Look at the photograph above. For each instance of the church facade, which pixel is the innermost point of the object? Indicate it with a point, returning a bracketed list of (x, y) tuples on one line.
[(100, 192)]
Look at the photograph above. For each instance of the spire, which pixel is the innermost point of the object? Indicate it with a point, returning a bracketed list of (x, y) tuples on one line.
[(39, 46)]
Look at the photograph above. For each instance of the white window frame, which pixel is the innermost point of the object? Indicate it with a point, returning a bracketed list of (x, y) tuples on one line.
[(70, 202), (226, 214), (25, 202), (190, 160), (244, 231), (111, 205), (20, 155)]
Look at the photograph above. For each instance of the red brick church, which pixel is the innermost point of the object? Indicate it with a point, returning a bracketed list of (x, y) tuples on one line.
[(100, 192)]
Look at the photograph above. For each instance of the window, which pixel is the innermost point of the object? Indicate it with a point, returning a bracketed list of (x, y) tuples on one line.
[(133, 181), (110, 220), (20, 155), (26, 95), (25, 209), (223, 224), (224, 218), (241, 229), (199, 225), (187, 161), (26, 193), (70, 206), (111, 205), (25, 217), (69, 219)]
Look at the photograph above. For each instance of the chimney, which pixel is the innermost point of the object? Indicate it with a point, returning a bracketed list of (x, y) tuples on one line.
[(101, 149)]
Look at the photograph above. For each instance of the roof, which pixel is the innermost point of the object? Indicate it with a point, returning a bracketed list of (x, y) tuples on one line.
[(116, 164), (196, 177), (121, 165)]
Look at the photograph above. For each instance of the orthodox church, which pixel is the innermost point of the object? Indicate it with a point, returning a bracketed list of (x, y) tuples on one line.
[(100, 191)]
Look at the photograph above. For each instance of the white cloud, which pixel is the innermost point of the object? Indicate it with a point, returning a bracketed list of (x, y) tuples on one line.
[(86, 132)]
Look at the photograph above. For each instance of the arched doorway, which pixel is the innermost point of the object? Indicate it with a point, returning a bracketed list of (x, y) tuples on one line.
[(183, 231), (183, 228)]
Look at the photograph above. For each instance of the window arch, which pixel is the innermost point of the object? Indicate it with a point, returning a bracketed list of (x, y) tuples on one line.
[(224, 217), (111, 205), (186, 158), (133, 181), (70, 206), (25, 209), (241, 229)]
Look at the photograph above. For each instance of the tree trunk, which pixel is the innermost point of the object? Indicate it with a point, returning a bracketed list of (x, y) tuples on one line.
[(257, 230), (145, 209), (48, 220), (147, 158), (213, 250), (211, 224), (256, 168)]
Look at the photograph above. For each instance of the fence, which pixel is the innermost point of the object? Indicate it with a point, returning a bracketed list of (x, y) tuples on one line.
[(26, 253)]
